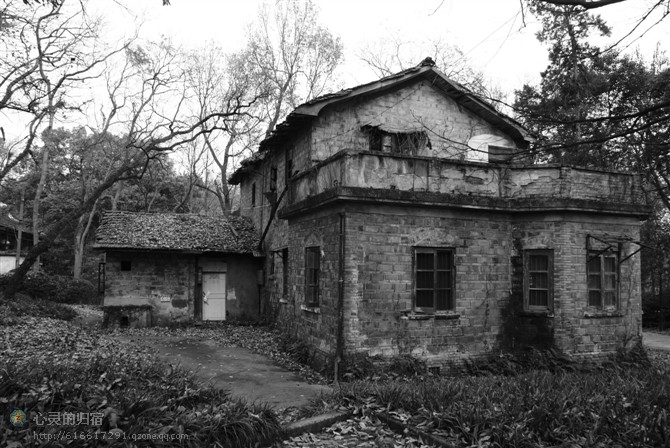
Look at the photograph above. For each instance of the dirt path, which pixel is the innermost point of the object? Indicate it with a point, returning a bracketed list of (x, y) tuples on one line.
[(246, 374), (656, 341)]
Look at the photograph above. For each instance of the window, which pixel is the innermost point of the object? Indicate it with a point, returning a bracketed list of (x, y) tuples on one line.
[(289, 170), (538, 280), (126, 265), (273, 178), (399, 142), (312, 265), (434, 279), (253, 194), (284, 259), (602, 273)]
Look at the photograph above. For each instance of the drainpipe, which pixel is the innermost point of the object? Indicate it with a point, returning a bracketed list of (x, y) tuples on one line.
[(339, 348)]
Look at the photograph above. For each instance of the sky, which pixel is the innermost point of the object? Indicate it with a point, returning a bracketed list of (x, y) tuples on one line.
[(493, 34)]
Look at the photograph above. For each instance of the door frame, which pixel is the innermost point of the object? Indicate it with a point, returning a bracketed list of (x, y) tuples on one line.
[(209, 265)]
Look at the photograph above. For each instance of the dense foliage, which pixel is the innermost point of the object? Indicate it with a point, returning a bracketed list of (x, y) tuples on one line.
[(57, 288), (612, 406)]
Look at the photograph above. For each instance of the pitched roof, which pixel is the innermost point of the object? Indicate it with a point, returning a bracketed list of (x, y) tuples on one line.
[(177, 232), (305, 113)]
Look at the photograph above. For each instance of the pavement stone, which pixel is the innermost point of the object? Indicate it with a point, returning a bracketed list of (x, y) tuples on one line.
[(244, 373)]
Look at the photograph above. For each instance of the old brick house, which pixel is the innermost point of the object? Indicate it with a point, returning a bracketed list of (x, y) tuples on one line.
[(165, 267), (398, 218)]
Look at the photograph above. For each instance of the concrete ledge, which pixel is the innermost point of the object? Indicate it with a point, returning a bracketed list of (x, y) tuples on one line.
[(315, 424)]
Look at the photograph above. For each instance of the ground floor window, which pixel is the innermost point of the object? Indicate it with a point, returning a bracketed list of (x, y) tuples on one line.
[(602, 279), (538, 280), (312, 269), (433, 279), (284, 259)]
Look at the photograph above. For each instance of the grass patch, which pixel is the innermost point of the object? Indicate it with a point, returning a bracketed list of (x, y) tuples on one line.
[(52, 366), (622, 403)]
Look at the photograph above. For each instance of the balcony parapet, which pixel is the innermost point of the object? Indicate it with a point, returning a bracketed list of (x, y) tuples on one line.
[(442, 182)]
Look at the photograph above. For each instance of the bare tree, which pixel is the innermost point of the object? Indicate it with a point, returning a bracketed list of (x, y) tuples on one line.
[(53, 51), (293, 53), (393, 54), (149, 105), (223, 82)]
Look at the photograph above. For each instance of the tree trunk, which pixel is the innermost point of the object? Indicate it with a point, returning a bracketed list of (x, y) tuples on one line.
[(57, 228), (19, 236), (80, 235), (117, 195), (38, 198)]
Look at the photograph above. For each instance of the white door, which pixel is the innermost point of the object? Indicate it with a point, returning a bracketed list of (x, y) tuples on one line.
[(214, 296)]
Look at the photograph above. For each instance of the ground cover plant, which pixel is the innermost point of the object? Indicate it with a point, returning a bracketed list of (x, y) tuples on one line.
[(53, 366), (622, 403)]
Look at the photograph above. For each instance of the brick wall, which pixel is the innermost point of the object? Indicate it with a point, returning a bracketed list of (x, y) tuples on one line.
[(164, 281), (380, 243), (167, 282), (413, 108), (315, 326), (578, 328), (378, 291)]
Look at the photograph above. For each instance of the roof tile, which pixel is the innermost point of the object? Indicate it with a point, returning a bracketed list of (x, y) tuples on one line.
[(174, 231)]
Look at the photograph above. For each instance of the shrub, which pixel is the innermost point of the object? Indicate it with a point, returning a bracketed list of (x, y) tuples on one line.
[(57, 288), (11, 311)]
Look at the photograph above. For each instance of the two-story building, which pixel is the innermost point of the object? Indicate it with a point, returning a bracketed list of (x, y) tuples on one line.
[(403, 217)]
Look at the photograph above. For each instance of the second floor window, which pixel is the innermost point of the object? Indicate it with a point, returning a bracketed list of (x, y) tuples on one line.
[(253, 194), (273, 178), (410, 143)]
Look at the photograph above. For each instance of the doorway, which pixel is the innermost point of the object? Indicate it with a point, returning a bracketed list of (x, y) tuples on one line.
[(214, 296)]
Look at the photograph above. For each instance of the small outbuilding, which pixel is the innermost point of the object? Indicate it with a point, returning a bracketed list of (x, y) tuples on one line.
[(162, 268)]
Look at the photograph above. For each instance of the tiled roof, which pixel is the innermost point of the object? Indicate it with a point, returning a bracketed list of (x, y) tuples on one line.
[(178, 232), (303, 115)]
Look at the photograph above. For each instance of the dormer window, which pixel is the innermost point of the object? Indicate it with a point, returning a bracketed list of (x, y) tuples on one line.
[(410, 143)]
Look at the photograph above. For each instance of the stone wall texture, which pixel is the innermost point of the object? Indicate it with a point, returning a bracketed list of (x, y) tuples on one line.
[(167, 282), (164, 281)]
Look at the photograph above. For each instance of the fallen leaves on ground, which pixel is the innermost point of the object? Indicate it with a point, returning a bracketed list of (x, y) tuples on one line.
[(53, 366), (258, 339), (360, 432)]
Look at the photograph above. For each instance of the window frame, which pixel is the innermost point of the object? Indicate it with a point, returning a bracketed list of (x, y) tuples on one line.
[(549, 253), (602, 289), (312, 276), (451, 300), (284, 257), (273, 178), (253, 194), (407, 143)]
